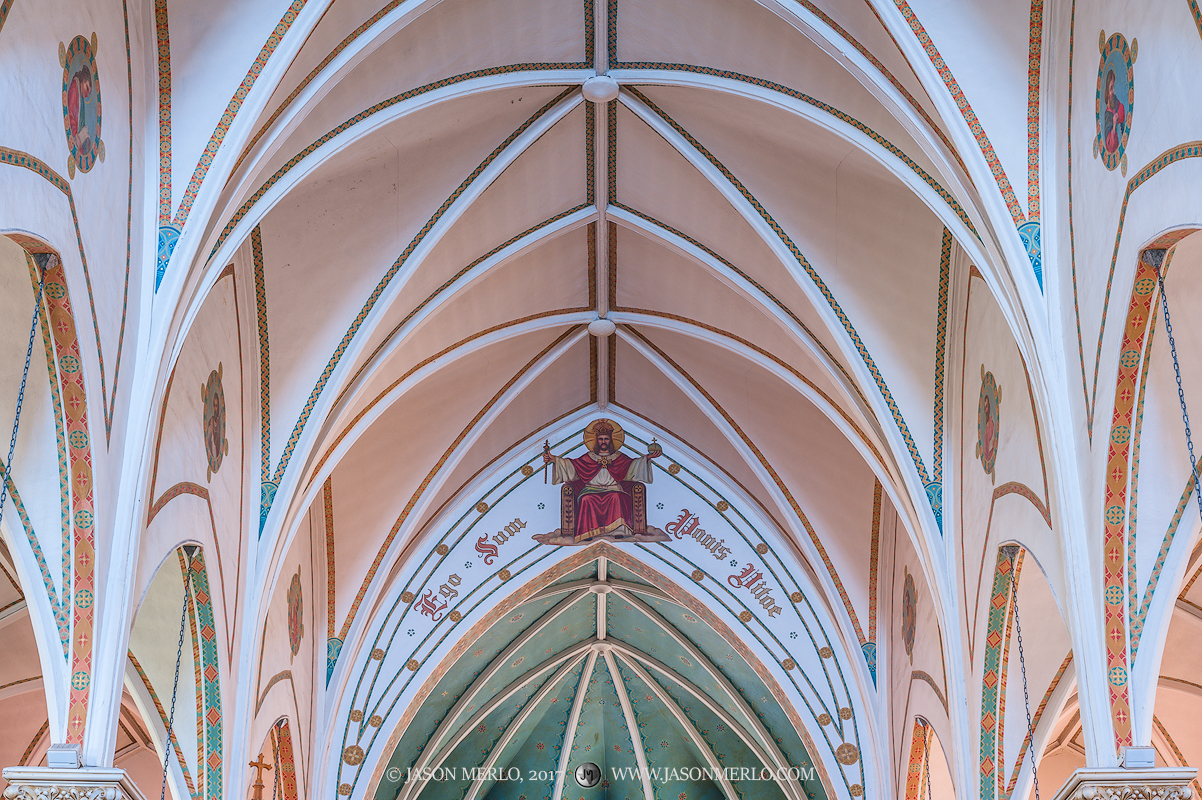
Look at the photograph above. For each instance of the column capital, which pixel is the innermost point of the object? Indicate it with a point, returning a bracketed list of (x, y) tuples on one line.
[(1129, 784), (85, 783)]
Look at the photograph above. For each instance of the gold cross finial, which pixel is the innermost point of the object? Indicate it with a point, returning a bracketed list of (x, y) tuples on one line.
[(257, 787)]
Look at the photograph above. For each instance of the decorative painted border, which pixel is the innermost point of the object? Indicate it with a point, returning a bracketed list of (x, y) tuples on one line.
[(945, 263), (869, 647), (589, 44), (75, 417), (336, 356), (163, 42), (256, 244), (1118, 473), (899, 421), (970, 117), (1043, 704), (1034, 59), (763, 83), (1193, 10), (5, 7), (333, 643), (158, 705), (210, 713), (780, 484), (285, 776), (231, 111), (917, 774), (1001, 604), (1171, 156)]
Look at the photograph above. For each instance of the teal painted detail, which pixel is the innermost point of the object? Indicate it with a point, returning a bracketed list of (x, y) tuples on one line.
[(168, 239), (267, 494), (1029, 233), (869, 649), (333, 648)]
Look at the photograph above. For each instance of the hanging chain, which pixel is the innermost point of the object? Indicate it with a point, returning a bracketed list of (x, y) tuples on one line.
[(12, 442), (179, 652), (926, 756), (279, 770), (1168, 327), (1018, 629)]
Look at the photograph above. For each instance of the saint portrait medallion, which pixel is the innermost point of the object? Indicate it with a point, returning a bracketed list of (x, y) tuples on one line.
[(81, 104), (1115, 99)]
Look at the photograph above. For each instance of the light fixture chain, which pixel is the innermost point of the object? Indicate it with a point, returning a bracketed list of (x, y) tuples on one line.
[(1022, 662), (1189, 439), (12, 442), (179, 651)]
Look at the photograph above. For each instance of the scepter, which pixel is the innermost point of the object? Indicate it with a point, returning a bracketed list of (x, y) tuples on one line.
[(546, 451)]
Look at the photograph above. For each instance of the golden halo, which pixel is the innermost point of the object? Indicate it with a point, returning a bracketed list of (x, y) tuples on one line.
[(590, 438)]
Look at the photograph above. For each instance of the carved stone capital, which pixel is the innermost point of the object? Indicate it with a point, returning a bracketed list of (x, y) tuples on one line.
[(85, 783), (1129, 784)]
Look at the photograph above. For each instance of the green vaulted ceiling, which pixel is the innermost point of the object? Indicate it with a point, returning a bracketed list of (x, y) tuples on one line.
[(600, 668)]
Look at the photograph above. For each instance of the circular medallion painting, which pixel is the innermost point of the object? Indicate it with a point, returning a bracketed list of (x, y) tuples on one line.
[(296, 625), (213, 400), (909, 613), (987, 422), (81, 104), (1115, 99)]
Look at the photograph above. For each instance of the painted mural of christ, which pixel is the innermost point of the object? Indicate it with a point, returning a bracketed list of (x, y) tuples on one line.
[(605, 495)]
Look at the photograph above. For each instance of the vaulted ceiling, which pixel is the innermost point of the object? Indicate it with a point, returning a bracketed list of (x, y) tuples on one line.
[(601, 668)]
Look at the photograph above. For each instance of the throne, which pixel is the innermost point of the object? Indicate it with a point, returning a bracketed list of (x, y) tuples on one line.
[(567, 507)]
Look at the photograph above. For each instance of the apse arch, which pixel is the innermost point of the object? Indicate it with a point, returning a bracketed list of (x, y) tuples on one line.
[(1146, 421), (179, 593), (478, 562)]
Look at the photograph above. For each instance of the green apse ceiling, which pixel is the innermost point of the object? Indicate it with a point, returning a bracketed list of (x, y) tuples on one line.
[(600, 668)]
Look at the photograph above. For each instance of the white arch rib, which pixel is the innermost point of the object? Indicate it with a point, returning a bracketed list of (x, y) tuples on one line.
[(429, 756), (821, 304)]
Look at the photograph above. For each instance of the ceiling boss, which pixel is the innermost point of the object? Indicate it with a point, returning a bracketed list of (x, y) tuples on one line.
[(604, 493)]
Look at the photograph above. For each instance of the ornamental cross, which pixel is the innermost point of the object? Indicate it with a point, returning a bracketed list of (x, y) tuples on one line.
[(257, 787)]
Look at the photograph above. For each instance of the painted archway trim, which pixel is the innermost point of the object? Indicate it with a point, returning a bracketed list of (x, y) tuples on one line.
[(499, 402), (790, 256), (743, 444), (413, 255), (1151, 169)]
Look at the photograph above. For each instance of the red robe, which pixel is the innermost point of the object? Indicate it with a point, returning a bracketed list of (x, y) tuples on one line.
[(601, 512)]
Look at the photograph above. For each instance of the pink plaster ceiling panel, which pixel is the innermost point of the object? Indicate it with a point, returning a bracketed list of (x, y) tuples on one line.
[(873, 242), (546, 180), (213, 46), (650, 276), (545, 281), (655, 180), (860, 22), (329, 243), (647, 392), (986, 48), (24, 716), (385, 466), (452, 38), (824, 473), (715, 34), (560, 389)]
